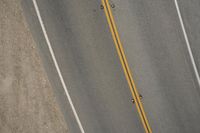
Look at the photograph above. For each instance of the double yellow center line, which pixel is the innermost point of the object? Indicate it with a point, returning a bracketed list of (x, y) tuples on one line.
[(125, 65)]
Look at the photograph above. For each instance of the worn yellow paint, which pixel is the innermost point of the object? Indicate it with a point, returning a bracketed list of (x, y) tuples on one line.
[(125, 66)]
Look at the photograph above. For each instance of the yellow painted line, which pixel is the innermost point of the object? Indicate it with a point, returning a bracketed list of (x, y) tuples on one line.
[(125, 65)]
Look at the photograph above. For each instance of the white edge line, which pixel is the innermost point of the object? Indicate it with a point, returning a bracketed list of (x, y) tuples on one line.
[(56, 65), (188, 44)]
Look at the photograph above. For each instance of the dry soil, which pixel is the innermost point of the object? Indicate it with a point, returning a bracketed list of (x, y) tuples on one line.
[(27, 102)]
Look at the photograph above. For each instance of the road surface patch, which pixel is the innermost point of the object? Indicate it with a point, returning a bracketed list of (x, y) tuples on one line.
[(125, 66)]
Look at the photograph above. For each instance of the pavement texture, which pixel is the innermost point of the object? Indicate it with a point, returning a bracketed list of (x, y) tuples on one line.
[(191, 17), (156, 50), (27, 102)]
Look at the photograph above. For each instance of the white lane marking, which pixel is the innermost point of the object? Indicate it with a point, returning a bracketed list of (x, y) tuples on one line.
[(188, 43), (56, 65)]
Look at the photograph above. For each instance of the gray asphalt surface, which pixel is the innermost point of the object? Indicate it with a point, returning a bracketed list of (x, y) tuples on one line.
[(191, 17), (156, 50), (155, 47)]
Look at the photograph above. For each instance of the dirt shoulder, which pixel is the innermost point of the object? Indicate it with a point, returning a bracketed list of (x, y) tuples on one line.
[(27, 103)]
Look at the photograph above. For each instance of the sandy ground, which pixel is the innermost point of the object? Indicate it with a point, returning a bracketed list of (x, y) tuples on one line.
[(27, 102)]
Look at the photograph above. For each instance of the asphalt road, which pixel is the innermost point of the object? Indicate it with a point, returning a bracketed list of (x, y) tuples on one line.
[(155, 47), (191, 17)]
